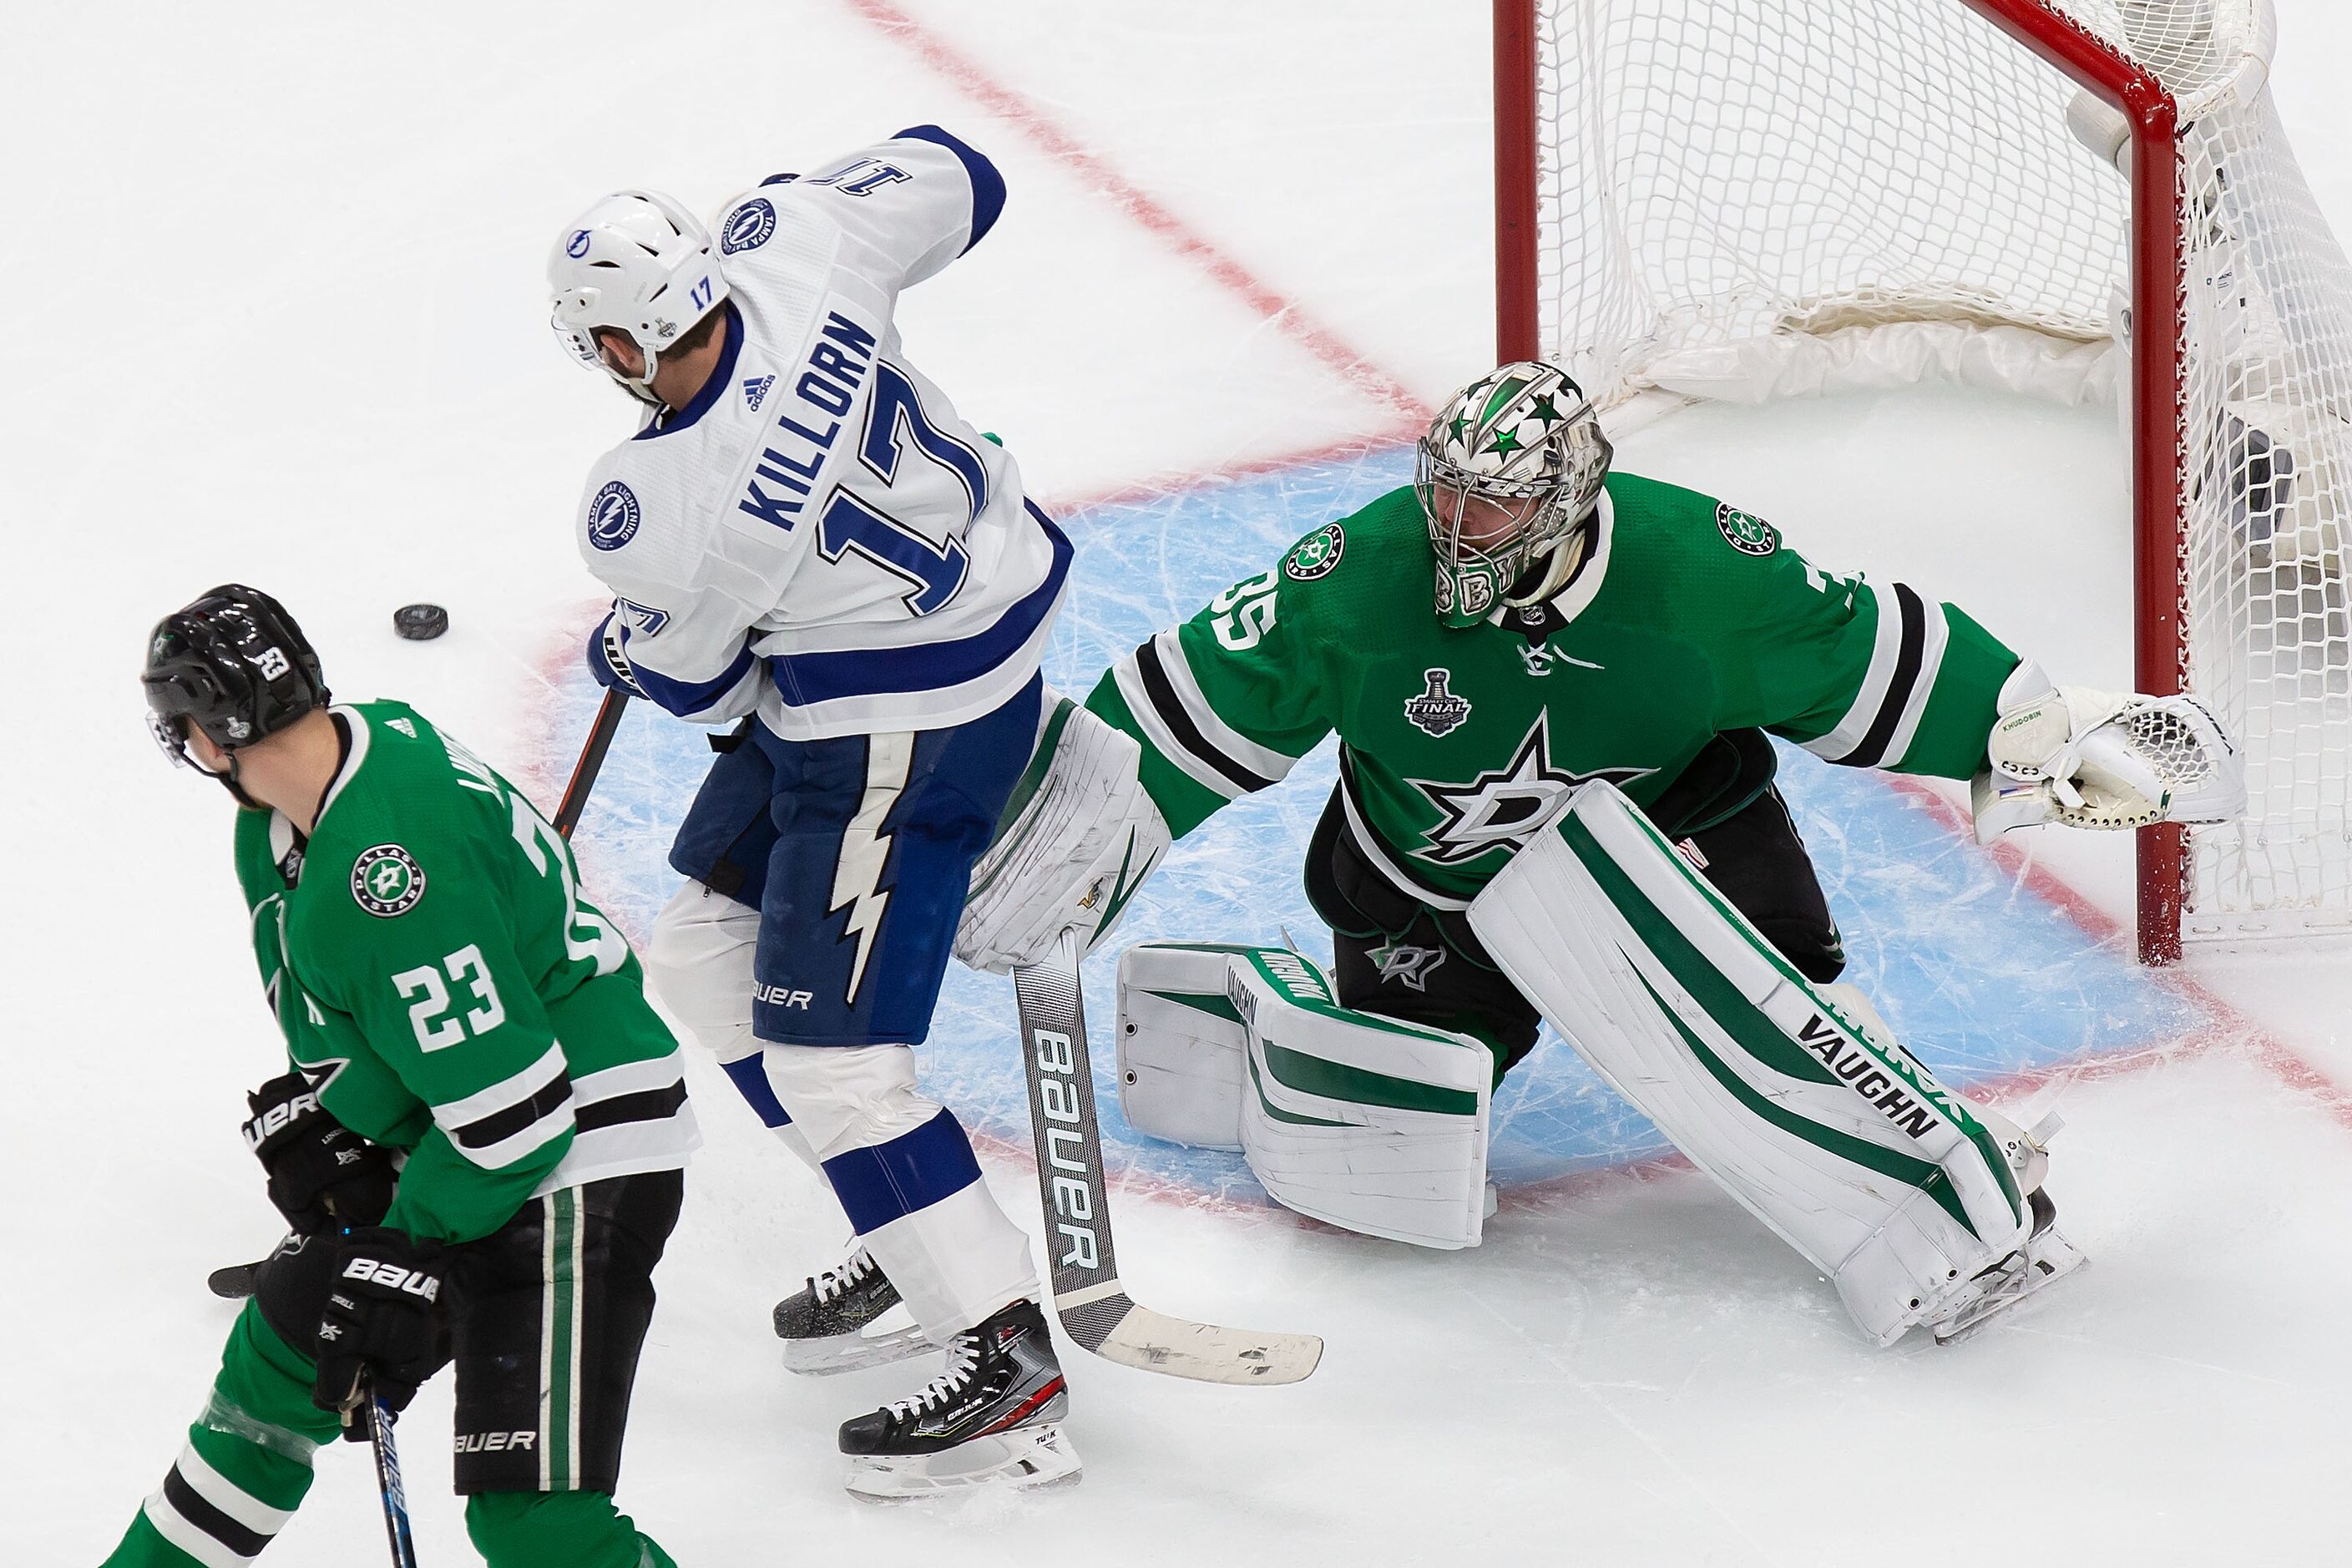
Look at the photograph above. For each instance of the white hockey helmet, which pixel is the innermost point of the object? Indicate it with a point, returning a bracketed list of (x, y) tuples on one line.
[(639, 264), (1526, 443)]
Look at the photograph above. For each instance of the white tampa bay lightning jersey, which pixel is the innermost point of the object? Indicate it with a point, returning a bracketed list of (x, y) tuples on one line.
[(817, 536)]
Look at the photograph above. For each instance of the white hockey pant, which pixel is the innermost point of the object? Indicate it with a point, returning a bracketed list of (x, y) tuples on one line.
[(1851, 1151), (699, 965), (1365, 1123), (898, 1161)]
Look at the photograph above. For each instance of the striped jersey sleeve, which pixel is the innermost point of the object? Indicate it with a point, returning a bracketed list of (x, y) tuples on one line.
[(1226, 703), (1862, 674)]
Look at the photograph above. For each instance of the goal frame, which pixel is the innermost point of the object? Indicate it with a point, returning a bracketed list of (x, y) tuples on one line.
[(2159, 384)]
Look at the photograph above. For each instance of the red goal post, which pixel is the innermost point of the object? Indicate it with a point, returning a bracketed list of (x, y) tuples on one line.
[(1578, 128)]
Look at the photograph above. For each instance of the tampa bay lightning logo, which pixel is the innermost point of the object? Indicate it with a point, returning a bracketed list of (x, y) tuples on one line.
[(612, 516), (748, 226), (577, 247)]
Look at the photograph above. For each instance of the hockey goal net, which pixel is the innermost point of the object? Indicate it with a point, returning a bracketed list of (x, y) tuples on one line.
[(2073, 199)]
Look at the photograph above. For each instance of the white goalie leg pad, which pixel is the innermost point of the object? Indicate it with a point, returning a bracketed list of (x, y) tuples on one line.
[(1842, 1144), (699, 965), (1369, 1123), (1183, 1048), (1076, 841)]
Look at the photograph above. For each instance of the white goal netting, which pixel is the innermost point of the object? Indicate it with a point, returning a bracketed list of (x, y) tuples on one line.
[(1758, 198)]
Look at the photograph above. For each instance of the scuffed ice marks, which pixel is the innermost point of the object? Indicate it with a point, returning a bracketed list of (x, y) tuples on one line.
[(1982, 978)]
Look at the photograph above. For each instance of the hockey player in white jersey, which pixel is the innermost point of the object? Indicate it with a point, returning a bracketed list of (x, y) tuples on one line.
[(802, 534)]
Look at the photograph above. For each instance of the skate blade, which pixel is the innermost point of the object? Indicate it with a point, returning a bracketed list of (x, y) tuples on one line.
[(853, 1352), (1028, 1459), (2048, 1258)]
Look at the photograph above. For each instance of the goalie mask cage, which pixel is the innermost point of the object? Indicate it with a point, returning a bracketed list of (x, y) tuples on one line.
[(2073, 199)]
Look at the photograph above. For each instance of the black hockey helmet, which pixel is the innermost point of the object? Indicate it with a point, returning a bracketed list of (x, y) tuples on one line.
[(232, 664)]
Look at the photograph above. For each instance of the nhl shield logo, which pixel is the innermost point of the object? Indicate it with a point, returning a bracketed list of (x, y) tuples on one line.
[(387, 881), (1435, 712)]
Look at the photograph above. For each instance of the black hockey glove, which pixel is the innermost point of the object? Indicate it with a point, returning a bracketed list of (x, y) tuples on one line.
[(321, 1173), (381, 1326)]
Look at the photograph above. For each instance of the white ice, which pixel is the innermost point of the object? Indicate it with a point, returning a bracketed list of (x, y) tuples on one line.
[(278, 319)]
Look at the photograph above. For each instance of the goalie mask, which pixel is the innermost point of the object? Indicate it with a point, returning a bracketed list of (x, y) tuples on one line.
[(1507, 472)]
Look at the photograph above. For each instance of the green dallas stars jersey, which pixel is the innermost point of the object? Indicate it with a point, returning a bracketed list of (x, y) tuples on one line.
[(440, 979), (1687, 618)]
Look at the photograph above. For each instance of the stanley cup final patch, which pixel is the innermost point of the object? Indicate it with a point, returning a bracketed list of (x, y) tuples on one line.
[(387, 881), (1435, 712)]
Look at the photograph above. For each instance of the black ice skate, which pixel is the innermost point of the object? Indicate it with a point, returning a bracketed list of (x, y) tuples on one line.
[(836, 1323), (992, 1417)]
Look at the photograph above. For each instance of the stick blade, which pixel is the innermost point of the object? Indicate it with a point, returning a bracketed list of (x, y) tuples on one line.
[(1204, 1352)]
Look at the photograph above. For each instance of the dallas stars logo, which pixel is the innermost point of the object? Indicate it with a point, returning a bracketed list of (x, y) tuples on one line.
[(1408, 964), (386, 880), (1502, 808), (1316, 554)]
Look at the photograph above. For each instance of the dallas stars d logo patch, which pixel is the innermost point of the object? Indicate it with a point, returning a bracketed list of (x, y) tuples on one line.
[(386, 880), (1502, 808)]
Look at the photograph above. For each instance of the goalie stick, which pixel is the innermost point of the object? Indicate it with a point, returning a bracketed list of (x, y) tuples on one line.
[(1094, 1306), (236, 1281)]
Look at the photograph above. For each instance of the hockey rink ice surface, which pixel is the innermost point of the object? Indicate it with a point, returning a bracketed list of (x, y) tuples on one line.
[(282, 321)]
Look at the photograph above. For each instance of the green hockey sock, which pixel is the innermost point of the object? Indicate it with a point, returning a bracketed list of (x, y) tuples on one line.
[(558, 1530), (247, 1463)]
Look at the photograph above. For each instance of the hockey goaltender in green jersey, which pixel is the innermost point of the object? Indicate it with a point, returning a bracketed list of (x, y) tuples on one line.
[(480, 1146), (1685, 619), (1555, 689)]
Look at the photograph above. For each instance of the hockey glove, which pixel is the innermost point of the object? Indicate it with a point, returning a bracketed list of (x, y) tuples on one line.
[(2096, 759), (321, 1173), (381, 1327)]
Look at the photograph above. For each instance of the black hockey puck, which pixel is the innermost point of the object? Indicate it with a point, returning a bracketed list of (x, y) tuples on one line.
[(420, 622)]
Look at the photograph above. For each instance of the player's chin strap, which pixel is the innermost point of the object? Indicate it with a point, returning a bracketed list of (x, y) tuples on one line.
[(2095, 759)]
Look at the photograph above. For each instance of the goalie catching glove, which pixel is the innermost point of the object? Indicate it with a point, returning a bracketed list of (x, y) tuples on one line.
[(1076, 841), (2094, 759)]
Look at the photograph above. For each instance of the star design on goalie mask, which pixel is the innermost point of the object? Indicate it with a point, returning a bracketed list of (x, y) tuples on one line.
[(1503, 807)]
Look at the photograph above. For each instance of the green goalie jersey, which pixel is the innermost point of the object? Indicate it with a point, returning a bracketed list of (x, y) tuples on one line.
[(442, 983), (1687, 618)]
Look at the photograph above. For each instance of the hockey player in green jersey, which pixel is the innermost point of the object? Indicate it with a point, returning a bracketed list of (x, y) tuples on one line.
[(454, 1008), (1552, 686)]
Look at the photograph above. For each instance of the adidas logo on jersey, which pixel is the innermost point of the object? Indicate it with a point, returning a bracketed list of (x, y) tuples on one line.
[(755, 391)]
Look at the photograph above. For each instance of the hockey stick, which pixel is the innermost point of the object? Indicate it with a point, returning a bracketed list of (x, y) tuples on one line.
[(236, 1281), (1095, 1308), (591, 762), (380, 1418)]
